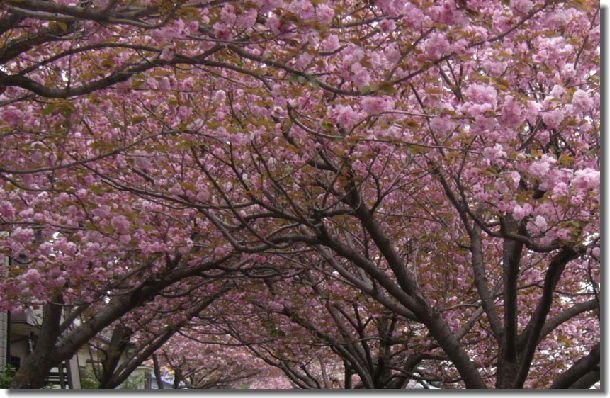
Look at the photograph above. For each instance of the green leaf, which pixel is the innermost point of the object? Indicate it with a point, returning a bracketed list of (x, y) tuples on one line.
[(49, 109), (370, 89), (387, 88), (416, 149)]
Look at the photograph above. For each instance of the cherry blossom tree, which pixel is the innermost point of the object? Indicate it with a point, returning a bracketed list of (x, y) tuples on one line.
[(324, 334), (137, 336), (218, 364), (440, 158)]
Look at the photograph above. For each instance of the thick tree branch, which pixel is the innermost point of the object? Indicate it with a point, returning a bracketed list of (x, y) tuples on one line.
[(581, 368), (480, 279), (538, 318)]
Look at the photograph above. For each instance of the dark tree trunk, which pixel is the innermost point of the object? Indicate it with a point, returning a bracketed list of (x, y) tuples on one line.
[(347, 383), (157, 371), (507, 361), (177, 378), (116, 348), (36, 366)]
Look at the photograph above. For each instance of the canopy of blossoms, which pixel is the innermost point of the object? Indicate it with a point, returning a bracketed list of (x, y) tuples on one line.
[(358, 194)]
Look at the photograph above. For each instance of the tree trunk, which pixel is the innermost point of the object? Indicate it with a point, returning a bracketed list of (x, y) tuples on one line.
[(177, 378), (157, 371), (117, 346), (507, 360), (36, 366), (347, 382)]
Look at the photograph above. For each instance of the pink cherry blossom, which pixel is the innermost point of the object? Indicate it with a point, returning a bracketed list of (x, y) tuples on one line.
[(325, 13), (512, 113), (541, 167), (247, 19), (121, 224), (345, 115), (442, 124), (520, 211), (582, 101), (375, 105), (553, 118), (12, 116), (587, 178), (522, 6), (331, 43), (436, 46)]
